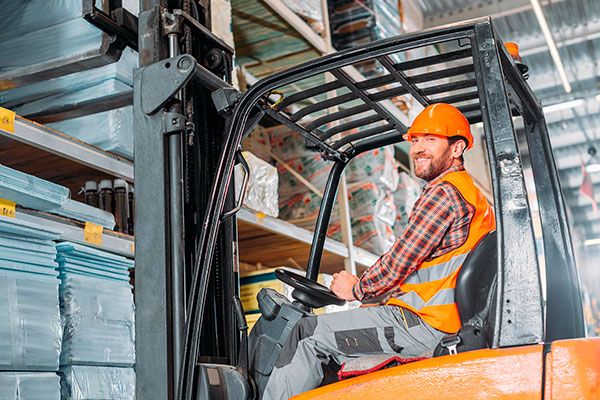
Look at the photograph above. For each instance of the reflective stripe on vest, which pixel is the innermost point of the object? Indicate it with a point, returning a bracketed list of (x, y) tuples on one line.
[(437, 272), (429, 291), (444, 296)]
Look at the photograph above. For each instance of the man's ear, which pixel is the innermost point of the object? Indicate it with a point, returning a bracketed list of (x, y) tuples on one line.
[(458, 148)]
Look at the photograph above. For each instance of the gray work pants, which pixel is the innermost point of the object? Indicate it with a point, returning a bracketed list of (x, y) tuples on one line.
[(343, 336)]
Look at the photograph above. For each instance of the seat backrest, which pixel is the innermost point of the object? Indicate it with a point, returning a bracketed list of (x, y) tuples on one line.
[(476, 278)]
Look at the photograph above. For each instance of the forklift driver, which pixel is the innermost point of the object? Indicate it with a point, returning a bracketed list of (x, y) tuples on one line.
[(416, 277)]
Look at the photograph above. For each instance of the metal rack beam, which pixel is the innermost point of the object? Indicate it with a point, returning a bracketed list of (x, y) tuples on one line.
[(302, 235), (54, 142), (73, 231)]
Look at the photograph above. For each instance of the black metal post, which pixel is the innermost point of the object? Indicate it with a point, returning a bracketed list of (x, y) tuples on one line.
[(518, 313), (316, 249)]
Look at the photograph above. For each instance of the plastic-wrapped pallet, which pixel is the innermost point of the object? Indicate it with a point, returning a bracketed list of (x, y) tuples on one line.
[(405, 197), (368, 233), (110, 130), (312, 168), (287, 144), (261, 193), (374, 166), (92, 383), (96, 304), (29, 386), (366, 198), (80, 86), (354, 23), (30, 329), (45, 32)]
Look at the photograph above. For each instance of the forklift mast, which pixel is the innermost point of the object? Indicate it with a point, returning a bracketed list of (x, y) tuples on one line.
[(179, 136)]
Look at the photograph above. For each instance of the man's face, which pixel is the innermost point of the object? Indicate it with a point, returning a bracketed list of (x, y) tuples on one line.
[(431, 155)]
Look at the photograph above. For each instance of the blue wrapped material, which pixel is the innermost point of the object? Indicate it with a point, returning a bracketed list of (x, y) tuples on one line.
[(97, 307), (43, 32), (110, 130), (36, 97), (91, 383), (356, 23), (30, 329), (29, 386), (48, 33), (39, 194), (29, 191), (84, 212)]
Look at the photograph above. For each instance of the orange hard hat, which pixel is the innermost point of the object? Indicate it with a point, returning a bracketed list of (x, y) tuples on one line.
[(441, 119)]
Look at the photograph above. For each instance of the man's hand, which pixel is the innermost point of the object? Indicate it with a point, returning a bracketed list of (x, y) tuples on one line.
[(342, 285)]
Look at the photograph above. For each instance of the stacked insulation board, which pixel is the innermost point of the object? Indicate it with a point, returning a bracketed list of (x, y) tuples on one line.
[(354, 23), (30, 329), (97, 308), (38, 194), (46, 35), (29, 386)]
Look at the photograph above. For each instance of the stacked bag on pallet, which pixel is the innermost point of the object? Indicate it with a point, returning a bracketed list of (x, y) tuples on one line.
[(405, 198), (51, 33), (96, 303), (261, 192), (38, 194), (30, 329), (372, 178), (354, 23)]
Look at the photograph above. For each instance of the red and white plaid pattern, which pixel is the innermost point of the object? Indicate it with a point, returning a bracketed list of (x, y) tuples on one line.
[(438, 224)]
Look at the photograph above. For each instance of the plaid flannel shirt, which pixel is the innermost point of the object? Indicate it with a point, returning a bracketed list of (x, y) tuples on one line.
[(439, 223)]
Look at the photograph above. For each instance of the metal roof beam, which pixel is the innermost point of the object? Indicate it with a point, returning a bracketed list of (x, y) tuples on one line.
[(502, 8), (324, 48), (574, 35)]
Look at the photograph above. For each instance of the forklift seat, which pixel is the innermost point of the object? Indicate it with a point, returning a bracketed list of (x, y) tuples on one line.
[(474, 296), (476, 277)]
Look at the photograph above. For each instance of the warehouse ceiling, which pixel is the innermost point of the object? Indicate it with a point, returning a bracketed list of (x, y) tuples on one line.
[(574, 121), (266, 43)]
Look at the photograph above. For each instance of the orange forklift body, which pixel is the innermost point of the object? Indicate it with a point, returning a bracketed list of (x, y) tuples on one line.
[(571, 371)]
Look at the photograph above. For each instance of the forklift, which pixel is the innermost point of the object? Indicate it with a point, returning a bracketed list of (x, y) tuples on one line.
[(519, 288)]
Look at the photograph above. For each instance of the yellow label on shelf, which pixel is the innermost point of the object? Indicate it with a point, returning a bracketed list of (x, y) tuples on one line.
[(132, 247), (7, 208), (260, 215), (7, 120), (92, 233)]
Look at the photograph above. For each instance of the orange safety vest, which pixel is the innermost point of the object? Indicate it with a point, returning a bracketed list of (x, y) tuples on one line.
[(429, 291)]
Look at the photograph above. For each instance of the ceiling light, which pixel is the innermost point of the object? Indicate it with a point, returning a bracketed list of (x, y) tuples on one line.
[(563, 106), (593, 168), (592, 242), (537, 9)]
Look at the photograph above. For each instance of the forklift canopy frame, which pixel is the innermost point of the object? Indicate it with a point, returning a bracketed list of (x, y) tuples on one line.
[(340, 115)]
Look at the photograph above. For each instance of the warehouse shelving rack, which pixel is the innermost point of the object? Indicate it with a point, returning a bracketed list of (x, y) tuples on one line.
[(36, 149), (48, 154)]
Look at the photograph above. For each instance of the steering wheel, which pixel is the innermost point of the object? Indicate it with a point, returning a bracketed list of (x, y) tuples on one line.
[(308, 292)]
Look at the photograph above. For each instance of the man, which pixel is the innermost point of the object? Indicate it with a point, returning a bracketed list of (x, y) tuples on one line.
[(417, 275)]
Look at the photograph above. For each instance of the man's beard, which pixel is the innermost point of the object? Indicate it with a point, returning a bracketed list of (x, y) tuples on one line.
[(436, 166)]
